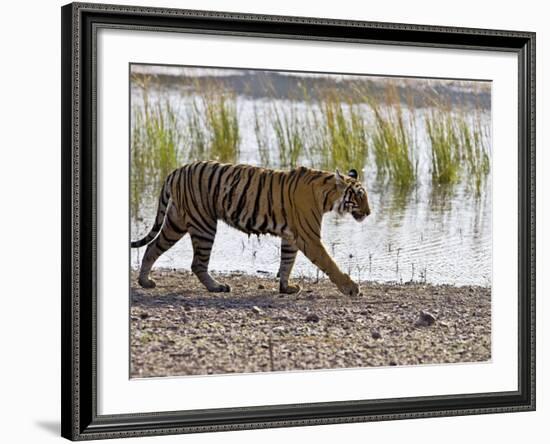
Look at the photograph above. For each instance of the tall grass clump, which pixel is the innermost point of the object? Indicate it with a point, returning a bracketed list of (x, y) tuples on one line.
[(340, 135), (445, 146), (290, 134), (458, 145), (393, 140), (262, 138), (474, 149), (213, 127), (156, 139)]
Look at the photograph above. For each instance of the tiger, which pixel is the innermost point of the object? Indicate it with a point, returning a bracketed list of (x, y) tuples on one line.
[(255, 200)]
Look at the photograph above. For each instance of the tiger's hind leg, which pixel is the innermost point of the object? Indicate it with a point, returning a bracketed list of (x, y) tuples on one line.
[(172, 231), (202, 247), (288, 256)]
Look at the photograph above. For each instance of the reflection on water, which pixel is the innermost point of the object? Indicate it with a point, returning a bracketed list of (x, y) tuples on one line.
[(436, 234)]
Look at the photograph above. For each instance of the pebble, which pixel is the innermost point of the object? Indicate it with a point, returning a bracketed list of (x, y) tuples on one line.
[(312, 317), (425, 319), (261, 287), (257, 309), (375, 334)]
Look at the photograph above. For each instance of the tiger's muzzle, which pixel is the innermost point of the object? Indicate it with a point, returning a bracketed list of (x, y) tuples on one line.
[(360, 216)]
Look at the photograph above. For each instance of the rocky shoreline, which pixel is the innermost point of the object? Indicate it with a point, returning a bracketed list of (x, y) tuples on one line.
[(178, 328)]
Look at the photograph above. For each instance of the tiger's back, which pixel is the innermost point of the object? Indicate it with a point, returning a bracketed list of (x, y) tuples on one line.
[(251, 199)]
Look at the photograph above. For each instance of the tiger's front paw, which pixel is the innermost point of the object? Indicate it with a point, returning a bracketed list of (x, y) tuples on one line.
[(219, 288), (147, 283), (289, 289), (348, 287)]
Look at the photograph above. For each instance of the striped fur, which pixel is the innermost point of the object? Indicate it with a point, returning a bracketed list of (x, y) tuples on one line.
[(288, 204)]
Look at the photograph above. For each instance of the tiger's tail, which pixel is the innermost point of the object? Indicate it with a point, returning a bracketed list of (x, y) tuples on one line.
[(164, 199)]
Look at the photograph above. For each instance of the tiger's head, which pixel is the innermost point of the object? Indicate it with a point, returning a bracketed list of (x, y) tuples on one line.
[(354, 198)]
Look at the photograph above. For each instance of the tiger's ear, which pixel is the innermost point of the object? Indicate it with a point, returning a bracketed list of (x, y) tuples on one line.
[(340, 181)]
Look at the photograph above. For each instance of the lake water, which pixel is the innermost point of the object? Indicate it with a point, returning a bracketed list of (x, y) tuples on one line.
[(438, 235)]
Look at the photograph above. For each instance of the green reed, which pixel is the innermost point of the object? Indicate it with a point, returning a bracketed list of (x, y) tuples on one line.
[(327, 135), (445, 146), (156, 139), (339, 134), (212, 124), (475, 149), (262, 138), (290, 134), (458, 146), (393, 140)]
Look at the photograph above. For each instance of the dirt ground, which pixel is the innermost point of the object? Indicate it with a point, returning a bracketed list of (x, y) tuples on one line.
[(179, 328)]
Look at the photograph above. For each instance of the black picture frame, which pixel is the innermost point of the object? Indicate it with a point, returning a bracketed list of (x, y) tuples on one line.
[(78, 332)]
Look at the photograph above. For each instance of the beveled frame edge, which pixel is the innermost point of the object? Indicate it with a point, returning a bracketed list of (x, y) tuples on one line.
[(79, 419)]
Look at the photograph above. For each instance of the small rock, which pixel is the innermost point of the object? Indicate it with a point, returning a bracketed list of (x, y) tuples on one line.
[(375, 334), (312, 317), (261, 287), (144, 315), (257, 309), (392, 362), (279, 328), (424, 319)]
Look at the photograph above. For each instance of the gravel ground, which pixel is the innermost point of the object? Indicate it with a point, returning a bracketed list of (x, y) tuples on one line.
[(179, 328)]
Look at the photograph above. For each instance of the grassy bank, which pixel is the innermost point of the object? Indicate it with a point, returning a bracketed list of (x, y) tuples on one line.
[(180, 329)]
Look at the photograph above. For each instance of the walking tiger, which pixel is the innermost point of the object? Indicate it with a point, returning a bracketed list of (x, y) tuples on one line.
[(255, 200)]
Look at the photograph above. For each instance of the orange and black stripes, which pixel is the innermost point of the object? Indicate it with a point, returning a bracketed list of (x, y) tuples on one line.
[(254, 200)]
